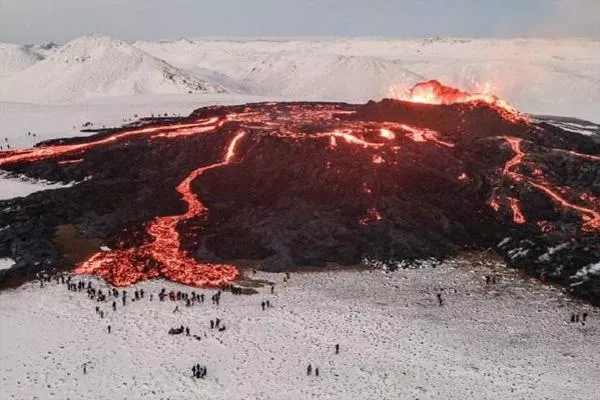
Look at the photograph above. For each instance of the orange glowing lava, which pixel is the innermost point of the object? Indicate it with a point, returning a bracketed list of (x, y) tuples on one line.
[(518, 217), (434, 92), (50, 152), (372, 215), (421, 135), (590, 217), (163, 255)]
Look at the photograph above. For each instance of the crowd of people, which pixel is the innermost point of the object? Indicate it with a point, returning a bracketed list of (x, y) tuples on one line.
[(112, 296)]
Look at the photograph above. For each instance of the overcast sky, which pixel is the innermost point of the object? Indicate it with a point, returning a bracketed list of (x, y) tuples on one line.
[(33, 21)]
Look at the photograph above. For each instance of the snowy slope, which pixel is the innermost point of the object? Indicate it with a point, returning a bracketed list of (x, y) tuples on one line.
[(98, 66), (549, 77), (66, 120), (14, 59), (560, 77)]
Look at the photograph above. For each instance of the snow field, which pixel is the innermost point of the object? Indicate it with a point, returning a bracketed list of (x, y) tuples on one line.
[(511, 340)]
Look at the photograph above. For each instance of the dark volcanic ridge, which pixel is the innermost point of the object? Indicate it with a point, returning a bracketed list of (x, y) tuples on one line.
[(306, 184)]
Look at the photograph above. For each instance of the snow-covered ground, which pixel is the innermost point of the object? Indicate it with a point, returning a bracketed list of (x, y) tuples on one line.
[(511, 340), (6, 263), (551, 77), (67, 120), (11, 187)]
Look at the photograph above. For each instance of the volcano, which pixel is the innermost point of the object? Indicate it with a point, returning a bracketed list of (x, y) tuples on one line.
[(430, 174)]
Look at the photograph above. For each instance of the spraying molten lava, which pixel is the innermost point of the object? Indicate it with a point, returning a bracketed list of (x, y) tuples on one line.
[(434, 92)]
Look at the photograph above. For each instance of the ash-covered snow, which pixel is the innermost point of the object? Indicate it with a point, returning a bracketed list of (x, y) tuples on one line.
[(511, 340)]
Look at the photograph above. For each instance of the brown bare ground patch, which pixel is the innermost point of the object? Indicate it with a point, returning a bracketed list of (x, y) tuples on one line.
[(75, 248)]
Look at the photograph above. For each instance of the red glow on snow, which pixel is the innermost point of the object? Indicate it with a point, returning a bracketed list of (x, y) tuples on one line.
[(463, 177)]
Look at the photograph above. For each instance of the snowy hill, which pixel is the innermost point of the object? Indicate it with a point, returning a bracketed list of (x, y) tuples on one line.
[(98, 66), (14, 59), (550, 77), (560, 77)]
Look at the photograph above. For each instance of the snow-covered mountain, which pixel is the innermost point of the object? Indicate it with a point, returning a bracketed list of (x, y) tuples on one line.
[(559, 77), (15, 58), (98, 66)]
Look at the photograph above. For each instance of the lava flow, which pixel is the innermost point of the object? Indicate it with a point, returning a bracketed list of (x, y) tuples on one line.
[(307, 184), (163, 255), (590, 216)]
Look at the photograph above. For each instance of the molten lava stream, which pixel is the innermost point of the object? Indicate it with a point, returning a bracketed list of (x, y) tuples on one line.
[(50, 152), (163, 256), (434, 92), (590, 216)]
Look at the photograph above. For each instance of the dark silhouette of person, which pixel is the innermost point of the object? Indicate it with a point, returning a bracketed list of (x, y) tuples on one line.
[(309, 369), (108, 329), (440, 301), (263, 304), (337, 349), (317, 371), (212, 324)]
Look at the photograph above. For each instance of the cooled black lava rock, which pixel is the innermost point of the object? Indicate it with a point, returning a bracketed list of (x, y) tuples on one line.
[(301, 193)]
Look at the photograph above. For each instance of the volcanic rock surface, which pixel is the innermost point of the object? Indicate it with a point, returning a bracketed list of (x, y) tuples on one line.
[(306, 184)]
